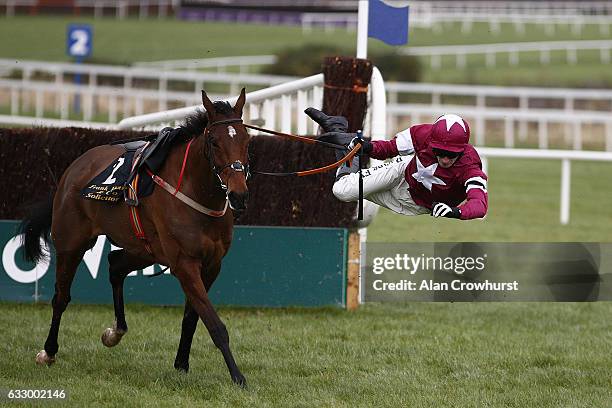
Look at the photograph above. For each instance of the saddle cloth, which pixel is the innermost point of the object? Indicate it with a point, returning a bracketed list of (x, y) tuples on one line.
[(112, 184)]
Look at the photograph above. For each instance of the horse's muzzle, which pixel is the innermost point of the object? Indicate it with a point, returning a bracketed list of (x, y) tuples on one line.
[(238, 201)]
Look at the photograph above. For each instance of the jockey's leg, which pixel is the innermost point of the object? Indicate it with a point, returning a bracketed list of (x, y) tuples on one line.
[(375, 179), (384, 185)]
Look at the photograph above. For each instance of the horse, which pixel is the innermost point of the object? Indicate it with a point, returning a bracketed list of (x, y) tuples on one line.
[(192, 243)]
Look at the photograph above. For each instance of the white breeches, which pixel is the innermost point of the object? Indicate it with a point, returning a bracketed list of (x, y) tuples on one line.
[(384, 185)]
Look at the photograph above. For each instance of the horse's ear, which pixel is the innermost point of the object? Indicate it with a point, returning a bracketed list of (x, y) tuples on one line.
[(240, 103), (208, 105)]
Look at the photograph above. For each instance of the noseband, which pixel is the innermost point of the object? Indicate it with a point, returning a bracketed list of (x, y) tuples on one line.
[(236, 166)]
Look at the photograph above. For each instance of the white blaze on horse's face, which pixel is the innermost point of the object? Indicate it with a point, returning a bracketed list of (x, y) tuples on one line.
[(231, 131)]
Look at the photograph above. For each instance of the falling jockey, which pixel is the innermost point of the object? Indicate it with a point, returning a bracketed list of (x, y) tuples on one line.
[(434, 170)]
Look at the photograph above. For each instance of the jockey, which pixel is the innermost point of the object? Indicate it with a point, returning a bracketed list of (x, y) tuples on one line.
[(443, 178)]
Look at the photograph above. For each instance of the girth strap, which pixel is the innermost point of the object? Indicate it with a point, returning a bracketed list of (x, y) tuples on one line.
[(135, 216)]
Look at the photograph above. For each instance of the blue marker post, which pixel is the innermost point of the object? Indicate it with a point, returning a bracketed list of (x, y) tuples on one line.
[(79, 44)]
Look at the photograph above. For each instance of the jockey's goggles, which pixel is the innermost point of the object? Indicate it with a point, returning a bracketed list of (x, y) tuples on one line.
[(445, 153)]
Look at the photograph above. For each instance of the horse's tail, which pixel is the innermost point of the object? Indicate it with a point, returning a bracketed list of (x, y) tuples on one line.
[(36, 225)]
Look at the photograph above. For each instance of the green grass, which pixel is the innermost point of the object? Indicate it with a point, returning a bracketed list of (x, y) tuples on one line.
[(124, 42), (524, 198), (420, 354)]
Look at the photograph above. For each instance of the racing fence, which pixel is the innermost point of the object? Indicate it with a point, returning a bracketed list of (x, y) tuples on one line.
[(572, 115)]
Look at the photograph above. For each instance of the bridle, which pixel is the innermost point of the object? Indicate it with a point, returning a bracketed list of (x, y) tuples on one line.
[(236, 166)]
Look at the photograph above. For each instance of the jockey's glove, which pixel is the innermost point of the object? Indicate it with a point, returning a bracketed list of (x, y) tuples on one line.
[(346, 139), (444, 210), (328, 123)]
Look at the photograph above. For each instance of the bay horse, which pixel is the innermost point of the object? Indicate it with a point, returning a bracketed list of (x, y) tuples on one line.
[(190, 242)]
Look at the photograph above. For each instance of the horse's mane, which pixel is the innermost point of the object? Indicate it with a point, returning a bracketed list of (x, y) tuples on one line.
[(195, 123)]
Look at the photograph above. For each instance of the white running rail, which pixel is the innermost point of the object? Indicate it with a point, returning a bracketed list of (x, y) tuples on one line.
[(221, 64), (566, 157), (599, 122), (513, 50), (277, 106)]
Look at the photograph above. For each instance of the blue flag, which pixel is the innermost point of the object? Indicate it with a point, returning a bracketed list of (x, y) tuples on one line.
[(386, 23)]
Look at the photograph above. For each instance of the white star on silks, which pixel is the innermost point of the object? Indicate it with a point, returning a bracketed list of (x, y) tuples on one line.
[(425, 175), (451, 120)]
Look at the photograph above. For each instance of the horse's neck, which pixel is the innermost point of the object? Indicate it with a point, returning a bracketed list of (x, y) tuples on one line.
[(200, 177)]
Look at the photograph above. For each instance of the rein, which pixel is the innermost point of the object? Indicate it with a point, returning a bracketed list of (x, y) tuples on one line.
[(307, 140), (323, 169)]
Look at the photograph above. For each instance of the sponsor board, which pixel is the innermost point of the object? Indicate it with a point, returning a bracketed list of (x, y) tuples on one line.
[(266, 266)]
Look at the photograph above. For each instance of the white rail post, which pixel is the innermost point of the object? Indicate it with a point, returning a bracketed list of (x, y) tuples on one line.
[(64, 105), (286, 106), (577, 135), (14, 101), (269, 112), (543, 134), (480, 131), (524, 107), (302, 104), (609, 136), (509, 132), (163, 94), (112, 109), (565, 191), (39, 104)]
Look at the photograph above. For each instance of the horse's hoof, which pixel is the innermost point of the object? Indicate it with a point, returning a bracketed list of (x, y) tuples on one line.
[(43, 358), (239, 380), (111, 337), (182, 368)]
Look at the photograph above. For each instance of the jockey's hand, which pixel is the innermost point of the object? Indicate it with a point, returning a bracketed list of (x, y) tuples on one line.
[(365, 144), (340, 138), (350, 140), (444, 210), (328, 123)]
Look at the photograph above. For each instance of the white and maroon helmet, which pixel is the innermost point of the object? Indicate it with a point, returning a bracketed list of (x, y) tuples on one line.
[(451, 133)]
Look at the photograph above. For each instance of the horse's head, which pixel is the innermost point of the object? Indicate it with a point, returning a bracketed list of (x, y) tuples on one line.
[(227, 143)]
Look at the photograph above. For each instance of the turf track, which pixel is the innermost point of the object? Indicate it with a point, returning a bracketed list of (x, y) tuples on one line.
[(419, 354)]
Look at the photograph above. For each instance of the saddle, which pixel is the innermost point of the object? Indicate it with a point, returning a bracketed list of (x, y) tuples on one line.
[(150, 152)]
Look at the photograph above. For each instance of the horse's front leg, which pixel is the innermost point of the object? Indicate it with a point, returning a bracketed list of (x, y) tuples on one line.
[(187, 271), (190, 322), (120, 264)]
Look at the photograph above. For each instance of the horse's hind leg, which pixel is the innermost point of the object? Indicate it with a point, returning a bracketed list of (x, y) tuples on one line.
[(67, 263), (120, 264)]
